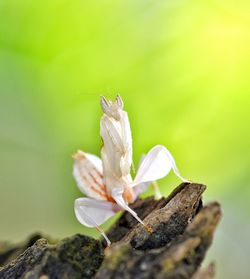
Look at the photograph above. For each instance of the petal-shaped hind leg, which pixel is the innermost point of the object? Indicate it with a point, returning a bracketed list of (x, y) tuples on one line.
[(155, 165), (88, 173), (141, 188), (92, 213)]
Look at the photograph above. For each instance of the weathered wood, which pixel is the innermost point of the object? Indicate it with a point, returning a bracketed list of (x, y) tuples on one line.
[(180, 230), (175, 248), (9, 252), (78, 256)]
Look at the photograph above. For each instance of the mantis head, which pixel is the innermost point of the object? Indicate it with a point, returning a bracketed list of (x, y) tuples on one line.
[(112, 109)]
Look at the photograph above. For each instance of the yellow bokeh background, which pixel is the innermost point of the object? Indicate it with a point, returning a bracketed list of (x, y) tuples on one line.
[(182, 69)]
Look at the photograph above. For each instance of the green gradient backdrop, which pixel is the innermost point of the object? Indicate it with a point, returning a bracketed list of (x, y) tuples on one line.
[(182, 68)]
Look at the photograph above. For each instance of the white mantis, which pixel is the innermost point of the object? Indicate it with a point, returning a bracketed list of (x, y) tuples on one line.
[(107, 182)]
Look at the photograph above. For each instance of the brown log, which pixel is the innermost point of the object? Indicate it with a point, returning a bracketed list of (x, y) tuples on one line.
[(179, 231)]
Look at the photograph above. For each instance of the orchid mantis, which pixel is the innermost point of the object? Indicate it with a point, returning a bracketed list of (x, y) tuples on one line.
[(107, 182)]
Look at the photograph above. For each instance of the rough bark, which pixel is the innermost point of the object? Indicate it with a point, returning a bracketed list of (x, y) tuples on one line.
[(179, 232)]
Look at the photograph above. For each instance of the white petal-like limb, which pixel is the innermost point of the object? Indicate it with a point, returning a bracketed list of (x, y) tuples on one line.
[(92, 213), (155, 165), (112, 144), (141, 188), (88, 174), (110, 131), (117, 195), (127, 143)]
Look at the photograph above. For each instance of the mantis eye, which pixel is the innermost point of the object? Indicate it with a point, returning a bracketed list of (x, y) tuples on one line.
[(105, 105), (119, 101)]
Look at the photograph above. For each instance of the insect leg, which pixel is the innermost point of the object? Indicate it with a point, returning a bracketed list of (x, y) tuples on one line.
[(92, 213), (99, 229), (117, 196), (156, 189)]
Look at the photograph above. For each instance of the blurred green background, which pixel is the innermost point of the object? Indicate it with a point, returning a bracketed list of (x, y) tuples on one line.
[(182, 69)]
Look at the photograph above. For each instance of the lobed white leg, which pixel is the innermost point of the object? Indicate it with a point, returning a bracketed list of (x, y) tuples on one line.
[(92, 213), (117, 196)]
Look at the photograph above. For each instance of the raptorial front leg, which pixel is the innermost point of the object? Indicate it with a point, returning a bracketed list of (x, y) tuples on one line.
[(92, 213)]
